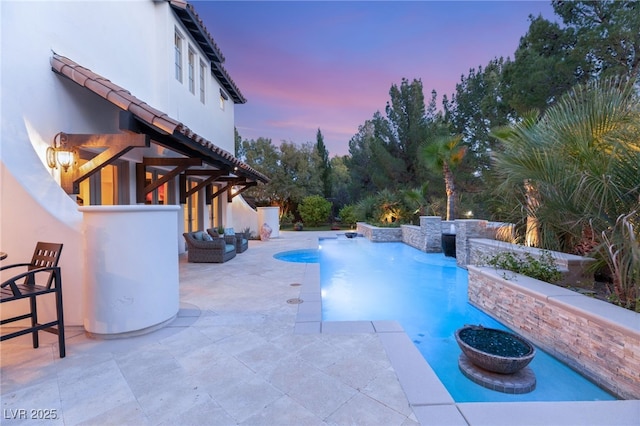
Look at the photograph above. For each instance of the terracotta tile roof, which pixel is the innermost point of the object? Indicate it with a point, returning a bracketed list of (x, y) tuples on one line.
[(124, 100), (191, 20)]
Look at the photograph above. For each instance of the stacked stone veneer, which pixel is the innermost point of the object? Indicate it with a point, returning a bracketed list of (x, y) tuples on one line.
[(377, 234), (467, 229), (599, 339), (428, 236)]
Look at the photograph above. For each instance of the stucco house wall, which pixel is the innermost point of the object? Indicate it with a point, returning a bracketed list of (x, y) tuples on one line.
[(131, 44)]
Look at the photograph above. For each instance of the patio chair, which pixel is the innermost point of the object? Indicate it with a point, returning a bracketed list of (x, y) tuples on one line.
[(42, 277), (203, 248), (240, 240)]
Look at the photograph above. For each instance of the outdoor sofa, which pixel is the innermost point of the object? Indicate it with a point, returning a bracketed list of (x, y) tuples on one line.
[(203, 248)]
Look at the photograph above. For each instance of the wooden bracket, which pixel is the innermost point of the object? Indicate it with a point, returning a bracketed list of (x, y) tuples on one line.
[(244, 186), (116, 144), (180, 164)]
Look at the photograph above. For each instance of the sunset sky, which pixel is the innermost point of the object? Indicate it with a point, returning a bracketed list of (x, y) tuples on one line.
[(330, 65)]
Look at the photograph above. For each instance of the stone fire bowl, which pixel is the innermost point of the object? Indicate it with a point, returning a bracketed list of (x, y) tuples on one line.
[(494, 350)]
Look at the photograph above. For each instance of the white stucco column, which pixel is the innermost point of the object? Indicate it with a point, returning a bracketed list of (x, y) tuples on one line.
[(270, 216), (131, 272)]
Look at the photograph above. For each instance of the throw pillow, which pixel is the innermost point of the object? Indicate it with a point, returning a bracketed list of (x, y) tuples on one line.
[(206, 237)]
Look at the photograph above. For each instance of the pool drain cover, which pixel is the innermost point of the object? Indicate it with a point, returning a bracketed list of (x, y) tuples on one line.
[(295, 284), (295, 301)]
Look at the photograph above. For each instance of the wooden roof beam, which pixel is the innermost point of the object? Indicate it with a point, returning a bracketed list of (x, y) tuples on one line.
[(116, 145)]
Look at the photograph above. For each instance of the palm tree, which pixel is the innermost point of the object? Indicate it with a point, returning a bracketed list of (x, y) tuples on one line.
[(517, 139), (418, 198), (442, 155), (582, 160)]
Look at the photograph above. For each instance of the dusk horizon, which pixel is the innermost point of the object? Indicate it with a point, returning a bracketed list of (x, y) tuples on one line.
[(305, 66)]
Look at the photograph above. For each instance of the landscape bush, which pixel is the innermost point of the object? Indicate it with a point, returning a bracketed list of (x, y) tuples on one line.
[(314, 210)]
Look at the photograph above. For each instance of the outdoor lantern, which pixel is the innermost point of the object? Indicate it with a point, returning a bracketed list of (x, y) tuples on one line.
[(59, 153)]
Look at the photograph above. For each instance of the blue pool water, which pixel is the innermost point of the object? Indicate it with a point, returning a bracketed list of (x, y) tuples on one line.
[(427, 295), (299, 256)]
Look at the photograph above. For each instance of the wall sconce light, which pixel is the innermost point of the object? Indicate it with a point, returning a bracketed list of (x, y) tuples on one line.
[(59, 153)]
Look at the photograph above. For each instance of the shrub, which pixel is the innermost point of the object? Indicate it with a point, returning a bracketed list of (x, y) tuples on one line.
[(620, 250), (286, 219), (314, 210), (543, 269), (348, 215)]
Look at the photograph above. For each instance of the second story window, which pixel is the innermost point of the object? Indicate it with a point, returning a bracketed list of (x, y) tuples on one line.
[(203, 70), (192, 71), (223, 98), (178, 40)]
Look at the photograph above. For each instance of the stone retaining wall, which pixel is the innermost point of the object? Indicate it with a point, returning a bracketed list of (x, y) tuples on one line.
[(377, 234), (599, 339), (414, 236), (574, 268)]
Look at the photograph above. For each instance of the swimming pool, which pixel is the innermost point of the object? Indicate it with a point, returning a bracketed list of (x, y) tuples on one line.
[(427, 295)]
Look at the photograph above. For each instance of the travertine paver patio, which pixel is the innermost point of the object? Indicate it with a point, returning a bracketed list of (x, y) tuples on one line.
[(231, 357), (238, 353)]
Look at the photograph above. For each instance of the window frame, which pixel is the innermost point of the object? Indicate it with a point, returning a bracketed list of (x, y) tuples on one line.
[(178, 41), (191, 69), (203, 71)]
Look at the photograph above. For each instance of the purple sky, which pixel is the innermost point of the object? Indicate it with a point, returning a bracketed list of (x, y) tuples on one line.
[(330, 65)]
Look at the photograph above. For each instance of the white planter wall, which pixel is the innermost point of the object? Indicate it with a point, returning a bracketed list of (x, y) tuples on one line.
[(131, 274)]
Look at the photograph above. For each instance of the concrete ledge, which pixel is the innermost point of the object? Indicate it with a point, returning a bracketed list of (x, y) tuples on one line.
[(582, 413)]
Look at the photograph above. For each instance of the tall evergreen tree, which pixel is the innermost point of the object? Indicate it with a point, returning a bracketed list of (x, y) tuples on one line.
[(546, 65), (325, 165), (407, 127), (607, 34)]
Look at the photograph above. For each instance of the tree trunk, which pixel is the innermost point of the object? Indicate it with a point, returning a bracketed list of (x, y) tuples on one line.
[(532, 234), (450, 190)]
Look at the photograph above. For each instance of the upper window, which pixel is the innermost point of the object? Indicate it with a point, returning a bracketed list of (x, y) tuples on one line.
[(192, 70), (203, 70), (223, 98), (178, 41)]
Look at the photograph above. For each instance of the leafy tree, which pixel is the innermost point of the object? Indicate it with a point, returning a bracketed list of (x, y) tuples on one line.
[(299, 174), (607, 34), (237, 144), (545, 66), (263, 156), (293, 172), (360, 162), (443, 155), (340, 181), (476, 107), (407, 126), (324, 164), (383, 154), (314, 210)]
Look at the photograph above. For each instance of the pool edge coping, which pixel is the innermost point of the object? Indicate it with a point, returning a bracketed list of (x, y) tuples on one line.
[(428, 398)]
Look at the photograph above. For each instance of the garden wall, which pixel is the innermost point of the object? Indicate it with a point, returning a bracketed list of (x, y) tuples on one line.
[(599, 339), (574, 268), (377, 234)]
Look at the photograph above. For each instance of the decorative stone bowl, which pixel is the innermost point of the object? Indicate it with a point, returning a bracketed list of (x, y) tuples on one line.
[(350, 234), (494, 350)]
